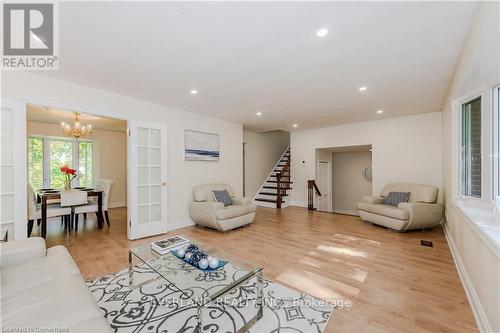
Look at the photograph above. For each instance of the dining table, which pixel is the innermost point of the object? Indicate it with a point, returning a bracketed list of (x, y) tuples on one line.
[(44, 196)]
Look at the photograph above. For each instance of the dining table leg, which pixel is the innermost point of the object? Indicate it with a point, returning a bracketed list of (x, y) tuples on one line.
[(44, 216), (99, 211)]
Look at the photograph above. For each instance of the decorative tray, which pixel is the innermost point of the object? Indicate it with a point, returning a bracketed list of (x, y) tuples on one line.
[(208, 269)]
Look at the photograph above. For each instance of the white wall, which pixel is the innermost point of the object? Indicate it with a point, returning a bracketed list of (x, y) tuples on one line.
[(405, 149), (262, 151), (110, 154), (478, 263), (349, 185), (182, 175)]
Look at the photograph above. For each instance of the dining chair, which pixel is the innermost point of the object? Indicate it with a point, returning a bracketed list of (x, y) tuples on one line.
[(105, 185), (35, 210), (77, 201)]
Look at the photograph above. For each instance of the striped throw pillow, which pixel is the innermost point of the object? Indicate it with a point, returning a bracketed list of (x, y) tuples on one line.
[(223, 196)]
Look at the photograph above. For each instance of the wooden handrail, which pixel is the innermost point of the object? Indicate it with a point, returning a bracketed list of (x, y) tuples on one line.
[(311, 187), (282, 185)]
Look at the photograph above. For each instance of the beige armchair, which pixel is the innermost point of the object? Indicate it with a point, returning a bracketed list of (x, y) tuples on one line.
[(205, 211), (421, 211)]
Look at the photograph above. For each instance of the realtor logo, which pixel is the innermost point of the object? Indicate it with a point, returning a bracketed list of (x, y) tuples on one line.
[(29, 36)]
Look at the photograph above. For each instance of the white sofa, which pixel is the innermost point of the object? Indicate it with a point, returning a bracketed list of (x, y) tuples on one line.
[(205, 211), (421, 210), (43, 288)]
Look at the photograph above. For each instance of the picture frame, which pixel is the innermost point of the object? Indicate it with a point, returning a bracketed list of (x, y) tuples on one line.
[(201, 146)]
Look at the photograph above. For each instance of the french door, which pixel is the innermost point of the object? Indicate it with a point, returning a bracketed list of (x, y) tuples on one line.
[(148, 176)]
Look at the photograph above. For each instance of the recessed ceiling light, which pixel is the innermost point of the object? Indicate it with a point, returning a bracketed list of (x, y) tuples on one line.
[(258, 113), (322, 32), (380, 111), (363, 88), (193, 91), (295, 125)]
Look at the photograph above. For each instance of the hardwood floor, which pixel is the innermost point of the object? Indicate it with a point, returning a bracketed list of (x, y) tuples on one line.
[(394, 283)]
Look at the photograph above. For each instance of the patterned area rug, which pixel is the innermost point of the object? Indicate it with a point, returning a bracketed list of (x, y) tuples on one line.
[(159, 307)]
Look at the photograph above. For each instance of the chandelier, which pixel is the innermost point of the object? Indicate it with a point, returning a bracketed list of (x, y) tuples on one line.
[(77, 130)]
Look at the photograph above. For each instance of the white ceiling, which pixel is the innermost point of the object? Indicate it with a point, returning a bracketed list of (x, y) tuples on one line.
[(248, 56), (55, 116)]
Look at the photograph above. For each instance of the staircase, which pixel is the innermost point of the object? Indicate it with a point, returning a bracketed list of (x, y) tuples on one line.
[(276, 189)]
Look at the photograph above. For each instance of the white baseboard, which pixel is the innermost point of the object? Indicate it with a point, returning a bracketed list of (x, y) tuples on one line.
[(181, 224), (117, 204), (477, 309), (345, 212), (298, 204)]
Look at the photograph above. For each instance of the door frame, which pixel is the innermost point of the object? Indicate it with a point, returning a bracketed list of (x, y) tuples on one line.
[(21, 106), (329, 182)]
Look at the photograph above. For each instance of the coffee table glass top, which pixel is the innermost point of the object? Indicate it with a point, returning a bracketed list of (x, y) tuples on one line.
[(199, 286)]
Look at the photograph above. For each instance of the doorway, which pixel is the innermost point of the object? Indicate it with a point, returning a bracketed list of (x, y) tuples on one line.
[(95, 147), (137, 165), (344, 177)]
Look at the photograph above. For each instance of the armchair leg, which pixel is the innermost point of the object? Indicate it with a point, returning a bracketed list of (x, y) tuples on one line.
[(76, 222), (62, 219), (30, 227), (38, 221), (85, 216)]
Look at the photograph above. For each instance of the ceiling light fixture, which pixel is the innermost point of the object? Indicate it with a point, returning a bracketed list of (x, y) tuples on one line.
[(258, 113), (363, 88), (77, 130), (380, 111), (295, 125), (322, 32), (193, 91)]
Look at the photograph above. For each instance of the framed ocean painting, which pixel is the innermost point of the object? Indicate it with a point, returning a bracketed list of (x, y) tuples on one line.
[(201, 146)]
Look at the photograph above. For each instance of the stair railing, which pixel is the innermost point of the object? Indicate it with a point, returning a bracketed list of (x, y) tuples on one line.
[(311, 187), (282, 182)]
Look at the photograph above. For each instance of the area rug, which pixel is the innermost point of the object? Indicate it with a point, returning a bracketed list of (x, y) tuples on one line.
[(155, 306)]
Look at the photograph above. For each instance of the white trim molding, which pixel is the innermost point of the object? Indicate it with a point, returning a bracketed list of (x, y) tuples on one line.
[(477, 308)]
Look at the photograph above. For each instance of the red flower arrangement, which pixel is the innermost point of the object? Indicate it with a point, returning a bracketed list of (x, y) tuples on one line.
[(68, 172)]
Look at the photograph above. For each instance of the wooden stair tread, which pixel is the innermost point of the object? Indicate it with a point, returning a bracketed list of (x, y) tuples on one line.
[(275, 181), (268, 200), (275, 187), (271, 193)]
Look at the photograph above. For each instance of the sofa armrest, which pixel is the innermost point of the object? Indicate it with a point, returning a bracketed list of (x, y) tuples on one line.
[(203, 212), (374, 200), (423, 215), (241, 201), (21, 251)]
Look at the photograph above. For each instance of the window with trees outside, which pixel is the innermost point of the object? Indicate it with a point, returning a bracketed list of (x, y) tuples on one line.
[(47, 154), (496, 141), (471, 148)]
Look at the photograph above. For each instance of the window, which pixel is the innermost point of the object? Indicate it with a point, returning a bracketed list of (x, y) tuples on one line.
[(471, 148), (46, 155), (35, 162), (496, 141)]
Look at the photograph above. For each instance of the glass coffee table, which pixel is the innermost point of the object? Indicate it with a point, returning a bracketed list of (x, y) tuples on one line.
[(197, 287)]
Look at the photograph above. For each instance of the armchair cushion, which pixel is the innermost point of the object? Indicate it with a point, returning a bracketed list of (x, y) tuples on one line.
[(385, 210), (234, 211)]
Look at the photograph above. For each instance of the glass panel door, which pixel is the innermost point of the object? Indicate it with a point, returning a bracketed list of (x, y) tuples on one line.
[(148, 179)]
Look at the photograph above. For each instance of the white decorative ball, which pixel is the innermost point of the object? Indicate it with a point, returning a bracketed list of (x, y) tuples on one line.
[(203, 263), (181, 252), (213, 263), (188, 256)]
